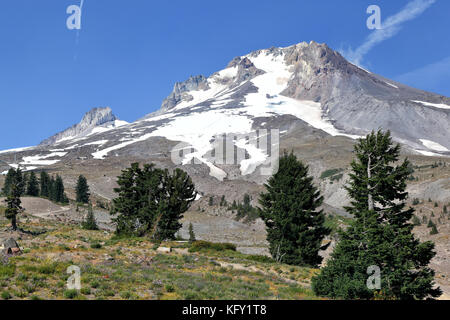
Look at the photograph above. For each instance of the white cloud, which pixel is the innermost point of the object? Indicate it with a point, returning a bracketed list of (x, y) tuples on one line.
[(390, 27)]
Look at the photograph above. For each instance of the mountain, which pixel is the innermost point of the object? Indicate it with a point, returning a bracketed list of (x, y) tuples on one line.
[(95, 121), (319, 102)]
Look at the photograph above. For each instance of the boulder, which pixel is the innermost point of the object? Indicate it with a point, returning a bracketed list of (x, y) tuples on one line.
[(164, 250), (11, 247)]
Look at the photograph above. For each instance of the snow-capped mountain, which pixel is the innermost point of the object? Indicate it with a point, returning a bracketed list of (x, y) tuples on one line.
[(95, 121), (307, 86)]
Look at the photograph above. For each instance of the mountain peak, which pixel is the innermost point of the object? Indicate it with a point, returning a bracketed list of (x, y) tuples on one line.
[(95, 120)]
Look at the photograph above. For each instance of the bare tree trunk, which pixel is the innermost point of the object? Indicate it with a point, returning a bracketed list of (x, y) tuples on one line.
[(13, 223), (369, 188)]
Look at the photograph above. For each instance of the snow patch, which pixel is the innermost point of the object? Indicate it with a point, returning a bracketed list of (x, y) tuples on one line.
[(100, 155), (40, 159), (433, 145), (16, 150), (436, 105)]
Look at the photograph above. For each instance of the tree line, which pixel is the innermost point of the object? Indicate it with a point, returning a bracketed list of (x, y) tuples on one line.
[(28, 184)]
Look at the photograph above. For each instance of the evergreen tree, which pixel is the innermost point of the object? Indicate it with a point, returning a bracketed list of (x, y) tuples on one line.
[(295, 228), (13, 199), (82, 190), (416, 220), (191, 233), (45, 185), (10, 176), (380, 235), (90, 223), (32, 186), (151, 201), (26, 179), (434, 230), (178, 194)]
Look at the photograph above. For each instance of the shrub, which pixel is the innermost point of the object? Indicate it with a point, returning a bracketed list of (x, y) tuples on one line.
[(434, 230), (259, 258), (7, 271), (330, 173), (6, 295), (96, 245), (85, 291), (416, 221), (206, 245), (71, 294)]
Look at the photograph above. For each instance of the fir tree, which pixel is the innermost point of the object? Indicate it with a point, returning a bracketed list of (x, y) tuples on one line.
[(59, 193), (45, 185), (13, 199), (434, 230), (32, 186), (416, 220), (151, 201), (82, 190), (178, 194), (295, 228), (90, 223), (380, 234), (10, 176)]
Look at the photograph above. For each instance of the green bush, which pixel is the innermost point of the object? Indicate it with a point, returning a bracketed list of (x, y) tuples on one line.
[(6, 295), (259, 258), (330, 173), (206, 245), (71, 294), (96, 245), (7, 271)]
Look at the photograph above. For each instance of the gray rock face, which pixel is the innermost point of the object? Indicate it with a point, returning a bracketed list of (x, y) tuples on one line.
[(358, 101), (179, 91), (94, 118)]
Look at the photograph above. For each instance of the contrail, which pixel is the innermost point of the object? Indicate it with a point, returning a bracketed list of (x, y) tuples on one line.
[(77, 39), (390, 27)]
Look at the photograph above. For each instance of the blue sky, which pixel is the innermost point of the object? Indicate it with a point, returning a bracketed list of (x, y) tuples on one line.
[(128, 54)]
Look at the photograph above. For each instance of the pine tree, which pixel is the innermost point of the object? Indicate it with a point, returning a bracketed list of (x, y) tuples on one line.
[(52, 189), (59, 193), (151, 201), (13, 199), (295, 228), (179, 193), (32, 186), (380, 235), (82, 190), (90, 223), (45, 185), (191, 233), (416, 220), (10, 176), (434, 230)]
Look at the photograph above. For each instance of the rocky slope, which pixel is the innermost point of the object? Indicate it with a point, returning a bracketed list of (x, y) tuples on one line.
[(318, 102), (95, 121)]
